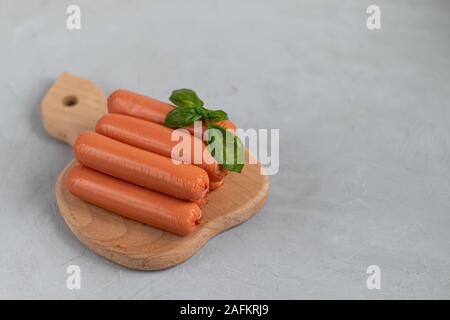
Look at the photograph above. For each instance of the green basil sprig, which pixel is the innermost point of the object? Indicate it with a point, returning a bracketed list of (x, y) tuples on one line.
[(184, 116), (185, 98), (224, 146)]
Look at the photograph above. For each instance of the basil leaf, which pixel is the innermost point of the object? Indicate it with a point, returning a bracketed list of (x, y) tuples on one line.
[(239, 159), (185, 98), (225, 147), (202, 110), (182, 117), (215, 115)]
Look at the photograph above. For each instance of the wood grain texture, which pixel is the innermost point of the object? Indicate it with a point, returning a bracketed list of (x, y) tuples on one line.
[(121, 240), (72, 105)]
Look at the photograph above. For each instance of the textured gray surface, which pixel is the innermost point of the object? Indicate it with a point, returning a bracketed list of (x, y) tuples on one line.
[(364, 124)]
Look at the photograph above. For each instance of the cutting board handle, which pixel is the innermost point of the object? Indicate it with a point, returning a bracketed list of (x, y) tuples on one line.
[(72, 105)]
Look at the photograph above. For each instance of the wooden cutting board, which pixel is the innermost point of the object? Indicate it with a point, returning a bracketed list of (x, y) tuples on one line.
[(73, 105)]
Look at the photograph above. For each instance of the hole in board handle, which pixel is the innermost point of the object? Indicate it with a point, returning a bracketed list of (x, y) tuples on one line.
[(70, 101)]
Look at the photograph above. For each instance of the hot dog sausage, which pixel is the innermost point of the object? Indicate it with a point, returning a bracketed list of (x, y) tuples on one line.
[(134, 202), (154, 137), (139, 106), (141, 167)]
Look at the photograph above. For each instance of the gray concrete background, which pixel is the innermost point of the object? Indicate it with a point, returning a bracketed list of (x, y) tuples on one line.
[(364, 122)]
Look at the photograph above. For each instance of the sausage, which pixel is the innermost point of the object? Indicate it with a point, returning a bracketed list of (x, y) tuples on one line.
[(134, 202), (141, 167), (156, 138), (136, 105), (139, 106)]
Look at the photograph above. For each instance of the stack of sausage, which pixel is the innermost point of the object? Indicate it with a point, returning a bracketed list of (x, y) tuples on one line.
[(126, 167)]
